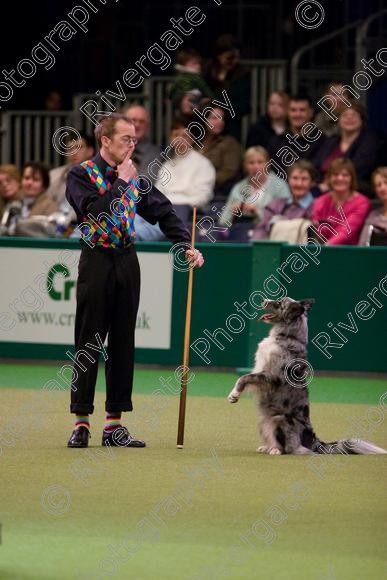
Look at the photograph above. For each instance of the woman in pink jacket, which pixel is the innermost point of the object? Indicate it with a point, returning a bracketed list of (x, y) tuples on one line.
[(339, 215)]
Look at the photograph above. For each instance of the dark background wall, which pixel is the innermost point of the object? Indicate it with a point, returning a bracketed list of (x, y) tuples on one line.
[(121, 31)]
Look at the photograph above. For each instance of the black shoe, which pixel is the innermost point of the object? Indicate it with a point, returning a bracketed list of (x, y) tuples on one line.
[(79, 437), (121, 437)]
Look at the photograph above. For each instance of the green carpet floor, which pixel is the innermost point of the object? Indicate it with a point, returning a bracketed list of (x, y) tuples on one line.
[(215, 509), (202, 383)]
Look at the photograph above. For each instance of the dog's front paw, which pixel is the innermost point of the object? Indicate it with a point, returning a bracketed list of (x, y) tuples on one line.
[(275, 451), (233, 397), (263, 449)]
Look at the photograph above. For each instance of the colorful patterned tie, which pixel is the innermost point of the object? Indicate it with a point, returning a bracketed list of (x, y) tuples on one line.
[(119, 231), (111, 174)]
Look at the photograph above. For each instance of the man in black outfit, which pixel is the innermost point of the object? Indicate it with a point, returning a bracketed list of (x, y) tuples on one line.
[(106, 193)]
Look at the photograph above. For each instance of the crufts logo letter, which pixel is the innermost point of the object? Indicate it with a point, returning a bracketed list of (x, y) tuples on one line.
[(58, 290)]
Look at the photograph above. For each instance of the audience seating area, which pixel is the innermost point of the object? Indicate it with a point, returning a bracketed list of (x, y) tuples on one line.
[(330, 175)]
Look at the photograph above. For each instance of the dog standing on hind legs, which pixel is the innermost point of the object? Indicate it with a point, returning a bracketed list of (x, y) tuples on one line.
[(279, 379)]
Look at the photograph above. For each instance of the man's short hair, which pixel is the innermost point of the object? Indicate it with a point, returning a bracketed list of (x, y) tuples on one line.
[(302, 97), (107, 126)]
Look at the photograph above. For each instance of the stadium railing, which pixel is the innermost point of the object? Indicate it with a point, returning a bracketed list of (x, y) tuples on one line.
[(27, 135), (359, 40)]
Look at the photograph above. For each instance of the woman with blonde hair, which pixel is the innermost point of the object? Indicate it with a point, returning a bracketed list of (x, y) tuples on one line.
[(250, 196), (9, 186), (340, 214), (10, 196), (378, 217)]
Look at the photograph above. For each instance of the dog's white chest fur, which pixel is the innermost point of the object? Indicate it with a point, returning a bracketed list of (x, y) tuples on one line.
[(267, 349)]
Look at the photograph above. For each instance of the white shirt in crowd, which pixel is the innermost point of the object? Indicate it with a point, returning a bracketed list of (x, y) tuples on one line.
[(192, 179)]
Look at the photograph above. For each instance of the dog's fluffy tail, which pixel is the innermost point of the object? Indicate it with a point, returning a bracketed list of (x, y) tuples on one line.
[(350, 447)]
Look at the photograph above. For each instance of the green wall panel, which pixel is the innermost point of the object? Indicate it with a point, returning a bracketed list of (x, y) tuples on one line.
[(343, 278), (237, 272)]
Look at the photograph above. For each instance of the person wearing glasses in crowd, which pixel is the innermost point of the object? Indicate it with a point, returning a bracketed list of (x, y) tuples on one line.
[(146, 152)]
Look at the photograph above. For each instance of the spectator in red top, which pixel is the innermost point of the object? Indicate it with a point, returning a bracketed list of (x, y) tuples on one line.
[(339, 215)]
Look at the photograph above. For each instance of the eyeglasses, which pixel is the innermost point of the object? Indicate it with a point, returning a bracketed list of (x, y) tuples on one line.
[(131, 140), (139, 121)]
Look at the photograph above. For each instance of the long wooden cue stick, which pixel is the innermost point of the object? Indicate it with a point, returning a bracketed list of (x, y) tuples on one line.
[(187, 332)]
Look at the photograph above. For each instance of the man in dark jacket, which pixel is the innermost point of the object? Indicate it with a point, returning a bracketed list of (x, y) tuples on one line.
[(104, 192), (300, 115)]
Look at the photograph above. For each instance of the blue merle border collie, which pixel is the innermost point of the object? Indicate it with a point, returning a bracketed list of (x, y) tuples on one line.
[(279, 379)]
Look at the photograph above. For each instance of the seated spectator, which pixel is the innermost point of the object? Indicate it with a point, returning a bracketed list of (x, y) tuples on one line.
[(354, 142), (323, 121), (378, 217), (79, 150), (34, 201), (225, 72), (339, 215), (145, 151), (9, 188), (301, 176), (300, 112), (192, 176), (249, 197), (271, 124), (224, 152), (34, 184), (189, 90), (186, 179)]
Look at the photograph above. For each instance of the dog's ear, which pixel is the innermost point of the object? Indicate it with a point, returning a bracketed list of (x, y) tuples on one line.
[(292, 311), (307, 303)]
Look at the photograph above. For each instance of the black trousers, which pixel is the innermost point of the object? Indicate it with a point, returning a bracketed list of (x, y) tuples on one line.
[(107, 303)]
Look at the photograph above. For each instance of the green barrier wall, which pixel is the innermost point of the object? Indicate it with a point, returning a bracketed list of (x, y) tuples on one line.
[(245, 273), (339, 283)]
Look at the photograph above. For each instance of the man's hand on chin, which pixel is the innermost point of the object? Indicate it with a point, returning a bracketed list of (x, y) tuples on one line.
[(127, 170)]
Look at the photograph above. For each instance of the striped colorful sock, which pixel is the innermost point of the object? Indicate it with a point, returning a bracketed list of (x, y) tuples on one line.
[(112, 421), (82, 421)]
